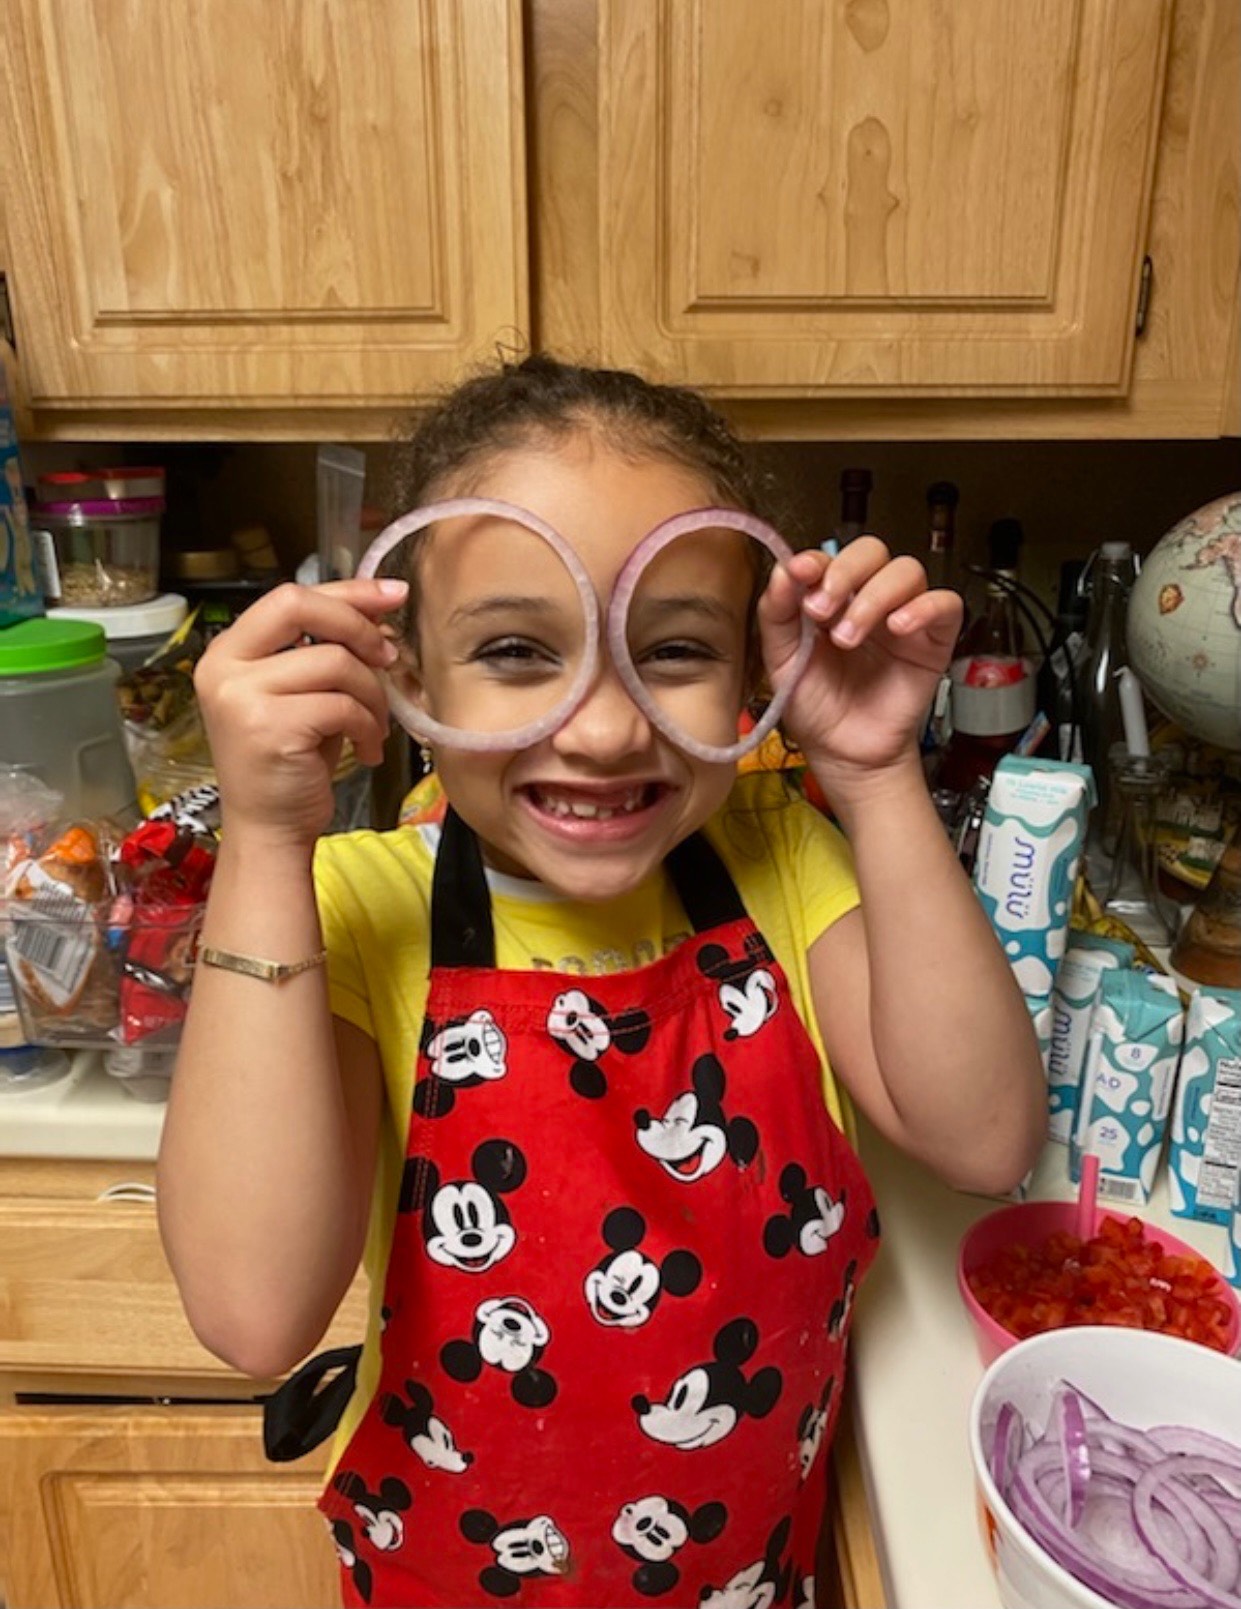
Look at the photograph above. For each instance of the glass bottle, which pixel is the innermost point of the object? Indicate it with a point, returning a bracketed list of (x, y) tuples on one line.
[(993, 685), (1110, 575), (855, 485), (1058, 678), (1133, 893), (941, 502)]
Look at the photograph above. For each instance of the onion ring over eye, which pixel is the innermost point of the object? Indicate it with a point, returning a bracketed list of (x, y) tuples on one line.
[(727, 520), (416, 721)]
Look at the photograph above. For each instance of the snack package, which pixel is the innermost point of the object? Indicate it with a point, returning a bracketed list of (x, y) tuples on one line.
[(1204, 1158), (169, 874), (1134, 1045), (61, 968), (1073, 997), (27, 805), (1028, 852)]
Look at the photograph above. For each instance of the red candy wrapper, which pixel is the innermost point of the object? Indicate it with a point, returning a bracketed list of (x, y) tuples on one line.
[(171, 872)]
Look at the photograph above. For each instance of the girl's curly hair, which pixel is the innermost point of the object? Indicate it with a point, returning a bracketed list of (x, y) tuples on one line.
[(541, 399)]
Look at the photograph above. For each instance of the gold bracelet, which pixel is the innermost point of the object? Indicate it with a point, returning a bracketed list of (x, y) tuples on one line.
[(254, 967)]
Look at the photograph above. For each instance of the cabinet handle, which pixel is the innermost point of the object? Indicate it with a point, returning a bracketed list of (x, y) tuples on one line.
[(1144, 295), (6, 313)]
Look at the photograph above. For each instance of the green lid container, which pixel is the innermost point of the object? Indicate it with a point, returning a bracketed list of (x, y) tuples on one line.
[(36, 647)]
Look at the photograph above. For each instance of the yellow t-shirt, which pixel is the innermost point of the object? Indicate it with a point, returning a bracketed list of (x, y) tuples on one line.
[(792, 869)]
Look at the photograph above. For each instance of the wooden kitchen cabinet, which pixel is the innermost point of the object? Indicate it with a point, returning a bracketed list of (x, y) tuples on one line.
[(132, 1473), (842, 218), (297, 205), (163, 1508), (898, 222), (860, 198)]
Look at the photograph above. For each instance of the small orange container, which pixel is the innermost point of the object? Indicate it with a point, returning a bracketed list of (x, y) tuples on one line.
[(1033, 1222)]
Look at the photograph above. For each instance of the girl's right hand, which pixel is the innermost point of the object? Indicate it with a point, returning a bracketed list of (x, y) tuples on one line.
[(277, 706)]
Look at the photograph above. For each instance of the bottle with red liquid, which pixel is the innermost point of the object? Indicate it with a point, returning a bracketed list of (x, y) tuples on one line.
[(992, 698)]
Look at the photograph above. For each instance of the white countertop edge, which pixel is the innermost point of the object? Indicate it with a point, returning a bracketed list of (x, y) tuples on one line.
[(87, 1115)]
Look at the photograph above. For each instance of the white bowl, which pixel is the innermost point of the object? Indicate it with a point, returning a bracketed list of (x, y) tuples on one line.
[(1136, 1376)]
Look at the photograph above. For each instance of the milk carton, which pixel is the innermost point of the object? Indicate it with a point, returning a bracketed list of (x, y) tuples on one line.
[(1204, 1157), (1133, 1048), (1028, 852), (1040, 1016), (1232, 1247), (1073, 996)]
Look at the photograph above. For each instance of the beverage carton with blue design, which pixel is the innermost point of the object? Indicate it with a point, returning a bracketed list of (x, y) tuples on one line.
[(1232, 1248), (1078, 979), (1204, 1158), (1028, 853), (1133, 1048)]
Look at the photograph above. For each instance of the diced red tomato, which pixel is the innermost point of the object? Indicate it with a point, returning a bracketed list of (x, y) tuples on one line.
[(1116, 1277)]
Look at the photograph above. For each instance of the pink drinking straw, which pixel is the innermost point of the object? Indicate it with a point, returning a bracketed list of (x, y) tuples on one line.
[(1087, 1191)]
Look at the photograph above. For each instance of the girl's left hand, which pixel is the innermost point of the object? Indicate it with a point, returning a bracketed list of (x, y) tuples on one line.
[(884, 642)]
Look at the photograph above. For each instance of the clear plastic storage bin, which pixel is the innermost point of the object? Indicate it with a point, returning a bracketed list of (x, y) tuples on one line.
[(59, 717), (101, 975)]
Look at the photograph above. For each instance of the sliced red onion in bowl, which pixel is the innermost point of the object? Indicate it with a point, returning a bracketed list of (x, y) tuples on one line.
[(1148, 1519), (1007, 1446), (1074, 1452)]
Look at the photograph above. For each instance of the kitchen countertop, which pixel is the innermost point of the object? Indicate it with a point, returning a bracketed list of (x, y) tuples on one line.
[(915, 1366), (87, 1114)]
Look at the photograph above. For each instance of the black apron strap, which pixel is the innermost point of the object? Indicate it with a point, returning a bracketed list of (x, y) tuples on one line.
[(703, 884), (304, 1411), (462, 934)]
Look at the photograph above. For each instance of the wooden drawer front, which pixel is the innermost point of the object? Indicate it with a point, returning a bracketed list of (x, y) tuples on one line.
[(152, 1508), (84, 1287)]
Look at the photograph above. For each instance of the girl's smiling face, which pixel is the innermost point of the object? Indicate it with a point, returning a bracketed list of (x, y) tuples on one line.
[(594, 809)]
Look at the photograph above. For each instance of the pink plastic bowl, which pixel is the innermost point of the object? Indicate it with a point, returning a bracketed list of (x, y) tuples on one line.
[(1033, 1222)]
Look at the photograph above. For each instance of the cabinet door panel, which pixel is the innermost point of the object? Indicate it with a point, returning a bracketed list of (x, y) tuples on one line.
[(260, 202), (157, 1509), (863, 197)]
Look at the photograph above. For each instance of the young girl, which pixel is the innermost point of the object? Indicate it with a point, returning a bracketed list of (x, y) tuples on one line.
[(573, 1057)]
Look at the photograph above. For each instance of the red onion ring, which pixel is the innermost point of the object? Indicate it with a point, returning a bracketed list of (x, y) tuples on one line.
[(1217, 1579), (653, 543), (1074, 1454), (1159, 1526), (423, 726)]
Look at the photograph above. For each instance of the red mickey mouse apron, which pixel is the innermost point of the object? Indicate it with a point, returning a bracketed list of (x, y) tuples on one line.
[(620, 1280)]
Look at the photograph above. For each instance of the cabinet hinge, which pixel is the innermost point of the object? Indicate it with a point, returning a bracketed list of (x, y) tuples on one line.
[(6, 312), (1144, 295)]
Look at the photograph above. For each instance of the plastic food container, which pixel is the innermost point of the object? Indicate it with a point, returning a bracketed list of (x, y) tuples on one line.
[(59, 717), (135, 632), (103, 552)]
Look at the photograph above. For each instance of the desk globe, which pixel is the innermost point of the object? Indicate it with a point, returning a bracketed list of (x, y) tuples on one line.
[(1184, 633)]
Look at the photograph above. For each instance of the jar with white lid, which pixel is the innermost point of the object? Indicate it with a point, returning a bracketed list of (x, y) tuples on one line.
[(136, 631)]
